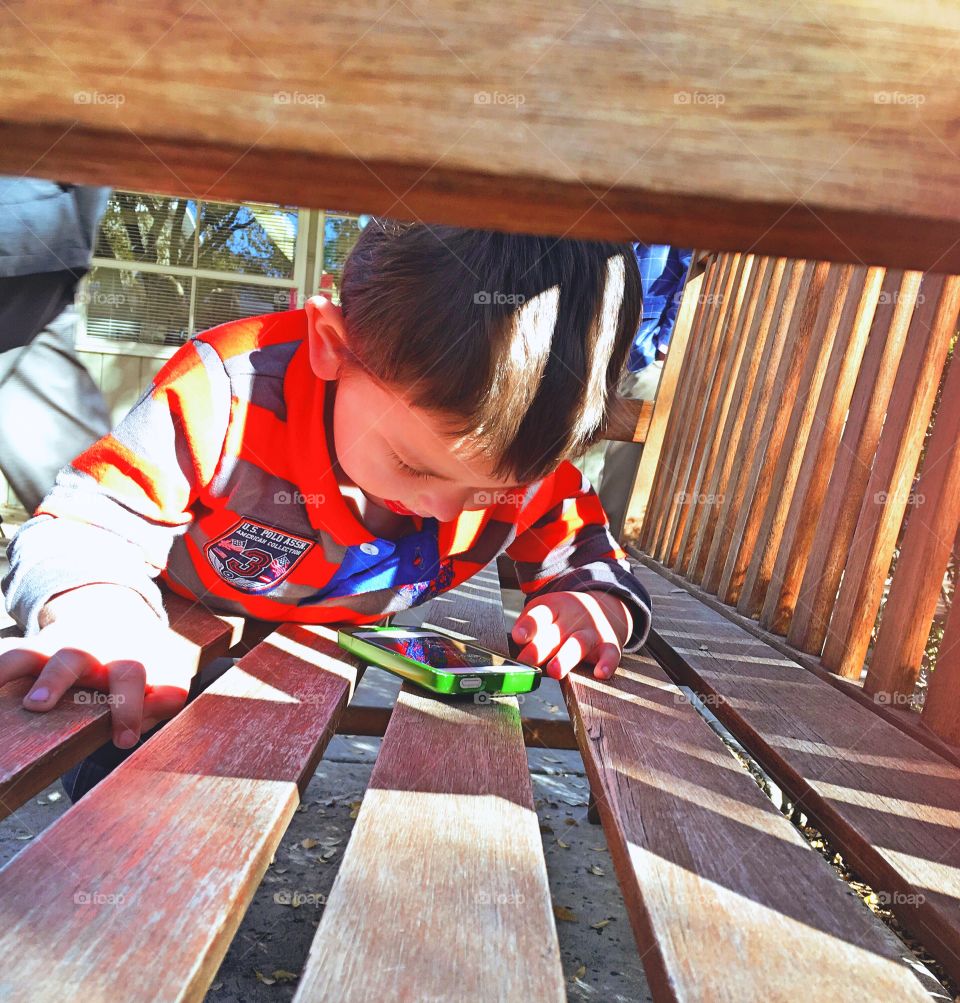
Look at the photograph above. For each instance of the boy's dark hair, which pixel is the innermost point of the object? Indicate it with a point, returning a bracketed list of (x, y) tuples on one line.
[(521, 339)]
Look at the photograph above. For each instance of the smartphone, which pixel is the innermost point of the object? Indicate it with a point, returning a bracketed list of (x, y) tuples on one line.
[(438, 662)]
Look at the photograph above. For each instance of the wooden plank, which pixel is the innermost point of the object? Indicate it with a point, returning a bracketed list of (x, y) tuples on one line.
[(932, 327), (447, 839), (755, 339), (711, 872), (538, 732), (155, 866), (693, 415), (775, 324), (725, 386), (941, 709), (899, 715), (819, 321), (821, 452), (922, 563), (683, 376), (533, 131), (849, 477), (642, 488), (890, 805), (38, 748), (628, 421), (757, 471), (717, 381)]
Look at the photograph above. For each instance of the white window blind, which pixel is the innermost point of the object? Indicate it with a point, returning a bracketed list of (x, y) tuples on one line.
[(165, 268)]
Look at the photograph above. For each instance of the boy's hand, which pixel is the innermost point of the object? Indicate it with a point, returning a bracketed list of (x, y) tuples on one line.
[(566, 628), (105, 637)]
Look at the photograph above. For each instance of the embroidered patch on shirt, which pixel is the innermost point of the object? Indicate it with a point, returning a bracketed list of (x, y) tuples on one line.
[(254, 557)]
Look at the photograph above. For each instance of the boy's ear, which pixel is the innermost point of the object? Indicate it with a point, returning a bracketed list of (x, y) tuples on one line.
[(327, 337)]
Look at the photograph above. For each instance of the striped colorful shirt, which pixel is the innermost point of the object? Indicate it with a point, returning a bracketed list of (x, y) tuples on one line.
[(219, 482)]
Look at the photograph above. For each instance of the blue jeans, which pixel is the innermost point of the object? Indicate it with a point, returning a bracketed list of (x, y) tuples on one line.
[(104, 760)]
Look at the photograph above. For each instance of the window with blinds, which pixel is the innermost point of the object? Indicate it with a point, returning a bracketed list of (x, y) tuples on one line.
[(165, 268)]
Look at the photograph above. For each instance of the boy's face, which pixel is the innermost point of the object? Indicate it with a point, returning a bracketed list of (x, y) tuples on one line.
[(399, 455)]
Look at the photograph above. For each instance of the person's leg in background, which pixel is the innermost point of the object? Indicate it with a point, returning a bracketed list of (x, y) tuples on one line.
[(104, 760), (50, 408)]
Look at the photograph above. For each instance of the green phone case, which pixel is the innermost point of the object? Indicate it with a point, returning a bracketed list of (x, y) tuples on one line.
[(491, 682)]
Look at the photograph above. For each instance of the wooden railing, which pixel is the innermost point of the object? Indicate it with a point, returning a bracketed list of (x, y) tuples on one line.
[(799, 456)]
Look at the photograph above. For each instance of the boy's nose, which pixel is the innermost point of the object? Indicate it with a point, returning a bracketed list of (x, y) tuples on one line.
[(446, 507)]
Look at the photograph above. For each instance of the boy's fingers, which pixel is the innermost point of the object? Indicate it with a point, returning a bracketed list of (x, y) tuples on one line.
[(572, 652), (64, 669), (607, 658), (128, 680), (545, 642), (531, 621), (17, 662)]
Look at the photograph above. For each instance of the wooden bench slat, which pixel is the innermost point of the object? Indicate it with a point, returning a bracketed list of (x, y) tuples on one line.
[(137, 890), (691, 303), (933, 326), (752, 470), (716, 374), (730, 400), (851, 471), (38, 748), (756, 335), (670, 413), (819, 321), (442, 892), (712, 873), (821, 452), (772, 335), (535, 132), (706, 344), (888, 803)]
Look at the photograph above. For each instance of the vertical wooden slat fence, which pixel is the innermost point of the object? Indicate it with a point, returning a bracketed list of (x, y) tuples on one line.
[(802, 455)]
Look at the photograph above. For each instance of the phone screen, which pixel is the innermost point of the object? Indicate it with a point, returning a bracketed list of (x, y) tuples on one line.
[(439, 652)]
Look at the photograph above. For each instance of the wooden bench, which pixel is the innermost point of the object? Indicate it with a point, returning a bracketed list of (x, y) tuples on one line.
[(583, 124), (801, 482)]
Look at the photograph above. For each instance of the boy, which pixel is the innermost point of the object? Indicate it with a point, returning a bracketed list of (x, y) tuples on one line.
[(340, 464)]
